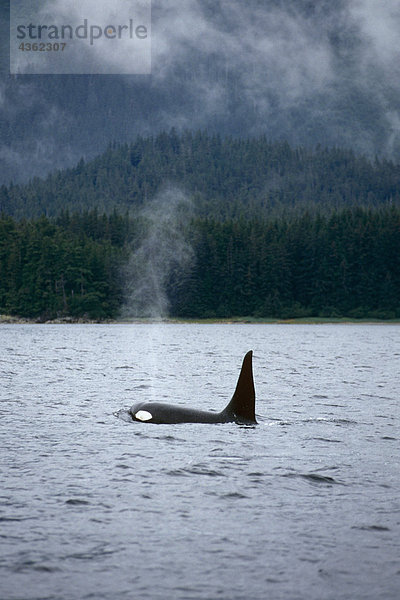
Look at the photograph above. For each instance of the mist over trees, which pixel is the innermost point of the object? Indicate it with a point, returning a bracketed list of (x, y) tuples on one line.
[(307, 72), (271, 231)]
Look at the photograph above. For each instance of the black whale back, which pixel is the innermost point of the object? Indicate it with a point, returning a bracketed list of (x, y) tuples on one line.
[(241, 408)]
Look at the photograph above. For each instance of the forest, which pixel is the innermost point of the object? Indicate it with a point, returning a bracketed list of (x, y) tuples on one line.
[(271, 231), (345, 264), (227, 178)]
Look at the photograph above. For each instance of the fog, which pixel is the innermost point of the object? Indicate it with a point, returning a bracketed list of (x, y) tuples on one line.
[(309, 72)]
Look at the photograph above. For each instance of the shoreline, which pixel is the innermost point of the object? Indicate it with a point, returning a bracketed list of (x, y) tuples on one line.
[(12, 320)]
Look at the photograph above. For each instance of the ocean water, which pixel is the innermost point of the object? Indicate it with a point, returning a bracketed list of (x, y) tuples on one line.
[(305, 505)]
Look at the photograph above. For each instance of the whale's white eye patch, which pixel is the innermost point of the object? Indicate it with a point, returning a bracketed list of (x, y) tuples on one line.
[(143, 415)]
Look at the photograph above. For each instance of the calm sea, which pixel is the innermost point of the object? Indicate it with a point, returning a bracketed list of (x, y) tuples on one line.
[(306, 505)]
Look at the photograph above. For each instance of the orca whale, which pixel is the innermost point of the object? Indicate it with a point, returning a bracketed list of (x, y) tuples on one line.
[(241, 408)]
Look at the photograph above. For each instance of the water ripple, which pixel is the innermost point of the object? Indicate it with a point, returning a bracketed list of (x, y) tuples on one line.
[(92, 507)]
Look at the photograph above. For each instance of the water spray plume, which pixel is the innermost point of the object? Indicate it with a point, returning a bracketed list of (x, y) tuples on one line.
[(163, 255)]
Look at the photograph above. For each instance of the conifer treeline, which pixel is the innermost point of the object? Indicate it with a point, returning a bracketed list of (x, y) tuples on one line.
[(276, 231), (345, 263), (48, 270), (226, 177)]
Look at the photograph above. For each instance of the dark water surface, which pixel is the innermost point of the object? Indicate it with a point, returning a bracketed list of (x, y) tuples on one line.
[(304, 506)]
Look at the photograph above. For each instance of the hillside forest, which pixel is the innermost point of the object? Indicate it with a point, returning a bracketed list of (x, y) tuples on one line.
[(198, 226)]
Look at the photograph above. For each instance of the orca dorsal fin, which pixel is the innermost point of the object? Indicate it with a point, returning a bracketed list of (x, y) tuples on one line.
[(243, 403)]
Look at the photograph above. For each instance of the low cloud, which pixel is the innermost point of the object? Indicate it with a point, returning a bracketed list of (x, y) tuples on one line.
[(308, 72)]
